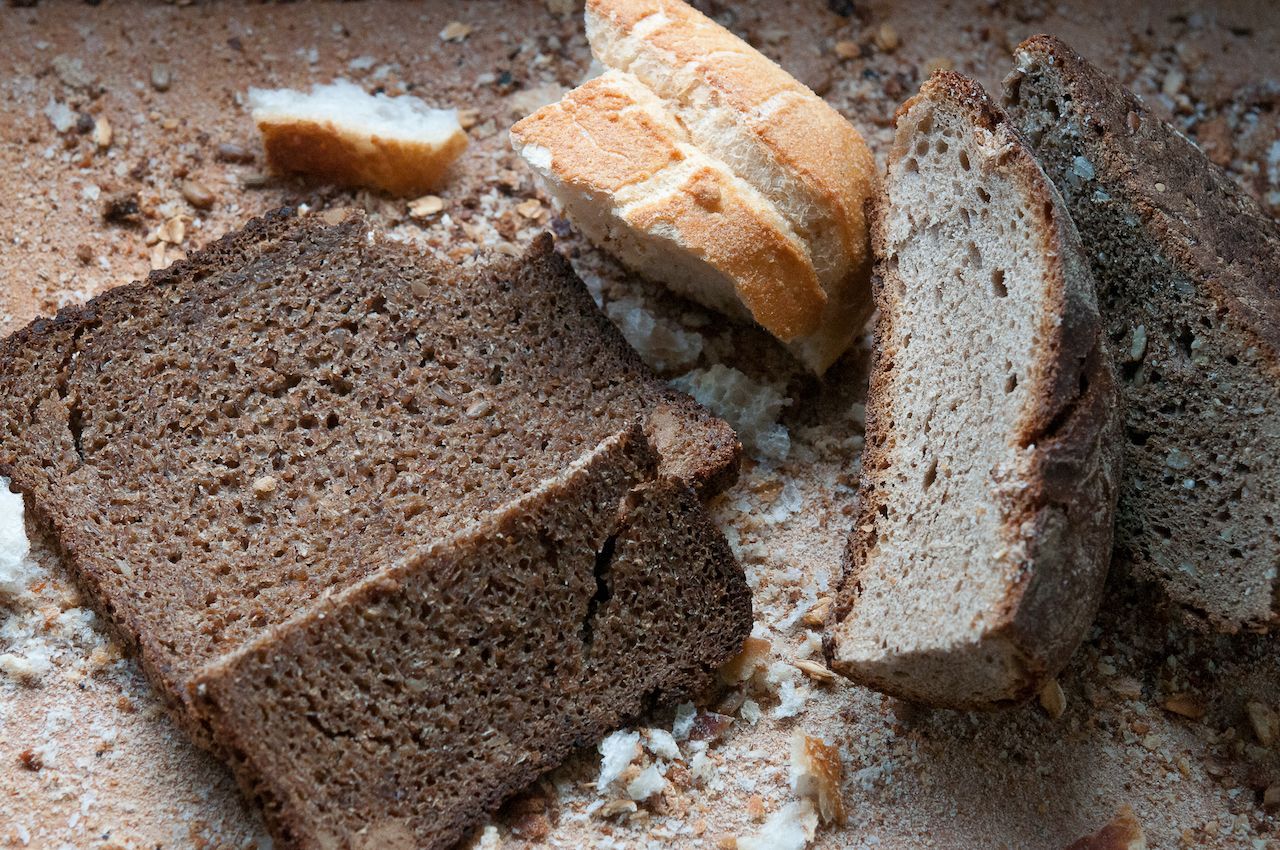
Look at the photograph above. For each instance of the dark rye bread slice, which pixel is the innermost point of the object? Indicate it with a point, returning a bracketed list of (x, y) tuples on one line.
[(988, 481), (302, 407), (1188, 274)]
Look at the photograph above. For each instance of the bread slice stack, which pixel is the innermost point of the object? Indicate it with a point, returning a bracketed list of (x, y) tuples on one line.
[(1188, 272), (989, 475), (700, 163), (387, 534)]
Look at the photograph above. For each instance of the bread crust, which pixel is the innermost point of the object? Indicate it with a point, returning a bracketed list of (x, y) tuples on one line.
[(603, 141), (1063, 514), (1204, 256), (343, 156), (802, 133)]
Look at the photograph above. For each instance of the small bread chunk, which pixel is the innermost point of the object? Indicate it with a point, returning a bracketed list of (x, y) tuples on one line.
[(1122, 832), (989, 478), (758, 185), (387, 534), (340, 134), (1188, 272)]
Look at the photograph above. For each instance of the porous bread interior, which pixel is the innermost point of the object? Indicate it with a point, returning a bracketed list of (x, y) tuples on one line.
[(1199, 500), (722, 132), (301, 413), (346, 105), (964, 297)]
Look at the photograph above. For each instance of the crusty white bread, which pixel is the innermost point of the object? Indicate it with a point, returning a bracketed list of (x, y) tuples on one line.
[(339, 133), (798, 175), (989, 478), (637, 187)]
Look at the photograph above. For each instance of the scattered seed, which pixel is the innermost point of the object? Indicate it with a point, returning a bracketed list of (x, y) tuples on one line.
[(264, 486), (1053, 700), (198, 194), (157, 257), (886, 38), (231, 152), (817, 615), (455, 31), (814, 670), (426, 206), (161, 77), (848, 49)]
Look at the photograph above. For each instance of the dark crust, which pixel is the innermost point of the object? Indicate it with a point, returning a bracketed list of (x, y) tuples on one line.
[(1199, 220), (1234, 236), (1072, 422)]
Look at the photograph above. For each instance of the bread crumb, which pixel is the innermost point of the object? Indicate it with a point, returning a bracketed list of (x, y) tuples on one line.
[(686, 712), (1265, 722), (661, 343), (848, 49), (816, 773), (617, 752), (749, 659), (197, 194), (455, 31), (790, 828), (751, 407), (264, 486), (1123, 832), (1185, 705), (662, 744), (650, 781)]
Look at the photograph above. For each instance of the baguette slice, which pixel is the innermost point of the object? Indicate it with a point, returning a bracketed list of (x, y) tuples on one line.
[(386, 533), (626, 173), (339, 133), (757, 184), (988, 481), (1188, 271)]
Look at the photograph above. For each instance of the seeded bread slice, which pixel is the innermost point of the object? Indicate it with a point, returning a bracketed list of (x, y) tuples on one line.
[(1188, 271), (988, 479), (303, 414)]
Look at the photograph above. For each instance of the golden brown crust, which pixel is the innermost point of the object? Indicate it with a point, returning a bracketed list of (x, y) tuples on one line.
[(603, 140), (804, 134), (337, 154)]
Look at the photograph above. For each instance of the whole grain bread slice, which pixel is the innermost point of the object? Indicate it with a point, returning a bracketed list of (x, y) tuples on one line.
[(988, 479), (1188, 273), (304, 413)]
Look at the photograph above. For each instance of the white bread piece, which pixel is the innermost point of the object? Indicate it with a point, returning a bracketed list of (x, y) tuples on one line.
[(339, 133), (627, 175), (769, 129), (989, 478)]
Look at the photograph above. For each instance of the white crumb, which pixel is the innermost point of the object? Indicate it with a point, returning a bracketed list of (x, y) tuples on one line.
[(617, 752), (649, 782), (790, 828), (404, 118), (661, 343), (686, 713), (662, 743), (16, 568), (751, 407)]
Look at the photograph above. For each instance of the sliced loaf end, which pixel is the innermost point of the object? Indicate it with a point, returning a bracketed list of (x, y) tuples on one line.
[(988, 480), (1185, 262)]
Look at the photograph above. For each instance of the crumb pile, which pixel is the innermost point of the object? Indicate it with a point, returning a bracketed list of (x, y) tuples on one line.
[(126, 139)]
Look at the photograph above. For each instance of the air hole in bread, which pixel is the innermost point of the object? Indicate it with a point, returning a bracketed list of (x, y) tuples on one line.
[(964, 159), (985, 196), (1010, 383), (930, 474), (997, 284)]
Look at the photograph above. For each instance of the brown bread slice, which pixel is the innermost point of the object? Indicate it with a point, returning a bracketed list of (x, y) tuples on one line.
[(302, 418), (988, 479), (1188, 272)]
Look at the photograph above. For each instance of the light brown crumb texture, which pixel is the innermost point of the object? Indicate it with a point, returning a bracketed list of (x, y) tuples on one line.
[(140, 110)]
